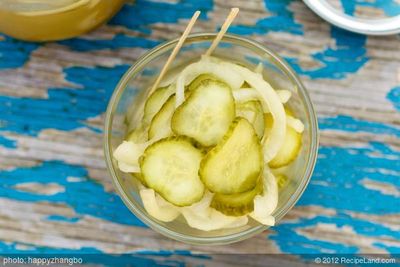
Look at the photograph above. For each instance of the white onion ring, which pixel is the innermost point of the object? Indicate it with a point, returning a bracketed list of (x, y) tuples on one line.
[(294, 123), (157, 207), (284, 95), (265, 204)]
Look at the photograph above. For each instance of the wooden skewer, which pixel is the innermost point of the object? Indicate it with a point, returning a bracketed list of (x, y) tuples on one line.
[(224, 28), (176, 50)]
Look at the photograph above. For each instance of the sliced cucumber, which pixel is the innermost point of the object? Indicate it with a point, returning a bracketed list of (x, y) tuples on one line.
[(160, 126), (234, 165), (206, 114), (253, 112), (237, 204), (157, 207), (170, 166), (272, 142), (289, 150), (155, 101), (198, 80)]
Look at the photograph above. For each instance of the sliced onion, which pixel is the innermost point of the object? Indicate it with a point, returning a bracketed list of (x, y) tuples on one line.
[(239, 222), (296, 124), (211, 219), (201, 206), (201, 216), (274, 140), (128, 153), (245, 94), (168, 80), (284, 95), (205, 65), (157, 207), (259, 69), (124, 167), (266, 220), (265, 204)]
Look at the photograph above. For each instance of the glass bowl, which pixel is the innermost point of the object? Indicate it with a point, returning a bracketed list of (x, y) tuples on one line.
[(130, 95)]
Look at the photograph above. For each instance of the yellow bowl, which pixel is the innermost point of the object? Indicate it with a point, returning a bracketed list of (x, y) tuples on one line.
[(49, 20)]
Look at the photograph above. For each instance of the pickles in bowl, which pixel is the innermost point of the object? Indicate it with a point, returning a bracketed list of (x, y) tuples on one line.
[(200, 158)]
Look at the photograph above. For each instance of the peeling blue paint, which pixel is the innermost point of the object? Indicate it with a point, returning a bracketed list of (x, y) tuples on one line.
[(65, 108), (281, 20), (14, 53), (60, 218), (394, 97), (86, 197), (346, 56), (6, 142), (118, 41), (336, 184), (350, 124), (343, 169), (391, 249), (142, 13)]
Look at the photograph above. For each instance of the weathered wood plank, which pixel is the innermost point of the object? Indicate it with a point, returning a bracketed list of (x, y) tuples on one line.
[(55, 192)]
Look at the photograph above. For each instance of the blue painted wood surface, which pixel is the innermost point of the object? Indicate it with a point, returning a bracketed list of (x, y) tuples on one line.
[(56, 196)]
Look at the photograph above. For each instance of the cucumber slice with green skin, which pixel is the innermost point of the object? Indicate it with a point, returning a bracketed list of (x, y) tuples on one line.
[(253, 112), (160, 125), (237, 204), (272, 102), (289, 150), (155, 101), (206, 114), (198, 80), (170, 166), (234, 165)]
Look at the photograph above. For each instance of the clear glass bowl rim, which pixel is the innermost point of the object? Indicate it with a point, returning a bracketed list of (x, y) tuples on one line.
[(169, 45)]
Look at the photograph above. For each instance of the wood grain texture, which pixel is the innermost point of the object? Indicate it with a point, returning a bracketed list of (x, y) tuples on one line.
[(56, 195)]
